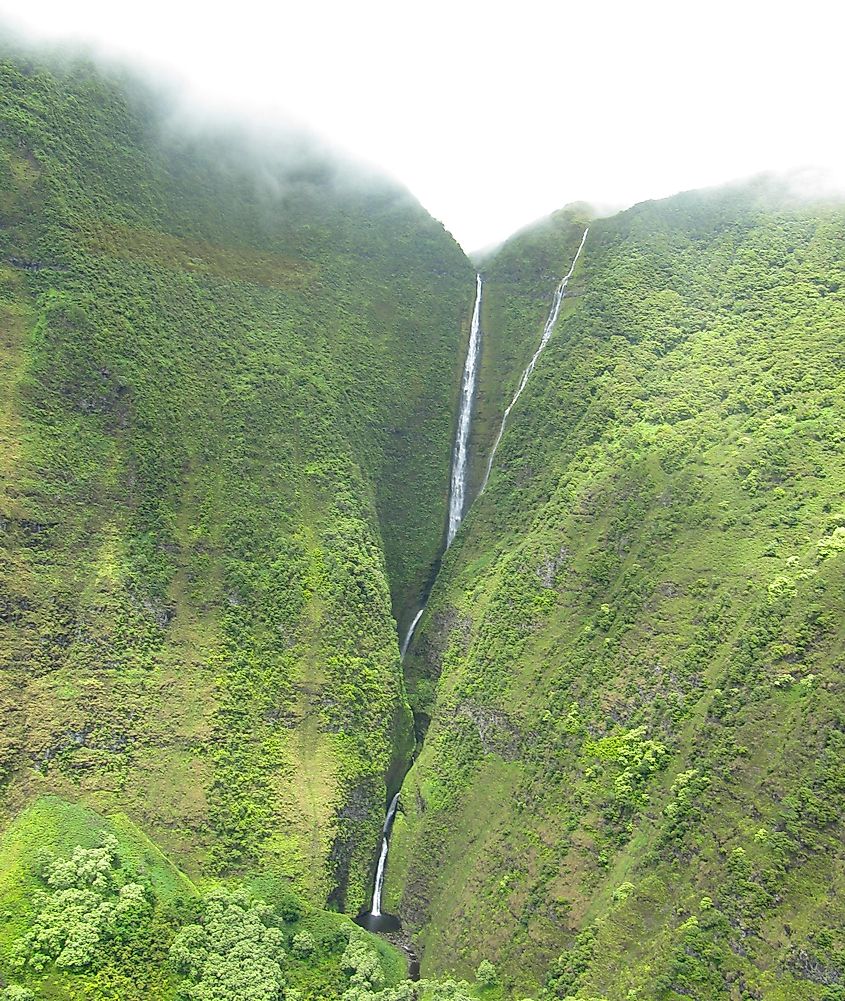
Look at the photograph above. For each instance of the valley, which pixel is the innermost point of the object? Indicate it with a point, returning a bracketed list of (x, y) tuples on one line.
[(497, 603)]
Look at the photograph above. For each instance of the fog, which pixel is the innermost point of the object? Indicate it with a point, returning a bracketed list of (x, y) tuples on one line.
[(494, 117)]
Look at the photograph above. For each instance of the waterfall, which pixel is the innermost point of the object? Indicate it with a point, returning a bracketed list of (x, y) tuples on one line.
[(382, 861), (457, 492), (544, 340), (457, 502), (409, 635), (458, 482)]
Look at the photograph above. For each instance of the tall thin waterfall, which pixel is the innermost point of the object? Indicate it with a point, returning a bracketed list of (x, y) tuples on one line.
[(457, 492), (457, 503), (544, 340), (458, 483), (382, 860), (409, 635)]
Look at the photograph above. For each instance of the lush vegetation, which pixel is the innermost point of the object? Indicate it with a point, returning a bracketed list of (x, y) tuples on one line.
[(221, 353), (633, 783), (228, 372), (92, 910)]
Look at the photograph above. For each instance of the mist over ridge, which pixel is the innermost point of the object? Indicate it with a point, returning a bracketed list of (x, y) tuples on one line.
[(636, 110)]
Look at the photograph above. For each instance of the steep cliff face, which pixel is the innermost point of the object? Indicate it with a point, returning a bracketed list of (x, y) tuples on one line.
[(222, 356), (633, 769)]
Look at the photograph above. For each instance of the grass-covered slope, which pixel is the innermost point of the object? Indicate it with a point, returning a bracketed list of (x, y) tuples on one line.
[(92, 909), (633, 782), (227, 378)]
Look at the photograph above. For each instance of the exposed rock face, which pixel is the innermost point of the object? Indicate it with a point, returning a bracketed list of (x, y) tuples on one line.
[(549, 568), (497, 733)]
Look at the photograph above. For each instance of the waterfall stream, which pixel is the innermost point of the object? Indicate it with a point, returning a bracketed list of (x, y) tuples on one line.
[(409, 635), (544, 340), (374, 919), (382, 862), (460, 451), (457, 491), (457, 506)]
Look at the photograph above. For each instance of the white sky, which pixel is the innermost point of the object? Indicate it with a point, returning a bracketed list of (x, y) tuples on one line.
[(494, 113)]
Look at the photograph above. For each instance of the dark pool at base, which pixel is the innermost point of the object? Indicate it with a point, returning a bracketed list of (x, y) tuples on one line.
[(382, 922)]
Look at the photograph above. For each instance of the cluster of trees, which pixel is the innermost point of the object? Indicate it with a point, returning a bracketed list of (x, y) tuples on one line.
[(86, 910), (97, 922), (234, 951)]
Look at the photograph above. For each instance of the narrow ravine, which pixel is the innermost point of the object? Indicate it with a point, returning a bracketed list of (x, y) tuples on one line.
[(375, 919)]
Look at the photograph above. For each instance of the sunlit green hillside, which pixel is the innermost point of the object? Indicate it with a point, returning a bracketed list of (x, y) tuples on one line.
[(229, 372), (635, 761), (93, 909)]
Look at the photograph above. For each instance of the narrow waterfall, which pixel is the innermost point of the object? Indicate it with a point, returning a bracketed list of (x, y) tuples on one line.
[(457, 491), (460, 453), (457, 505), (382, 861), (374, 919), (409, 635), (544, 340)]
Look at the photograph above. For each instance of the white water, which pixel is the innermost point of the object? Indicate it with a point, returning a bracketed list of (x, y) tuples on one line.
[(458, 483), (457, 492), (409, 635), (544, 340), (382, 861)]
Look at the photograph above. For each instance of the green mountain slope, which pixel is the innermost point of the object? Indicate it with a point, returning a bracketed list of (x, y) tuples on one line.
[(94, 910), (229, 366), (632, 784), (221, 355)]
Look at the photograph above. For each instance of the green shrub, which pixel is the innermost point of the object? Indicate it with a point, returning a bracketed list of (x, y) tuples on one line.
[(485, 974), (234, 953), (303, 945), (361, 961)]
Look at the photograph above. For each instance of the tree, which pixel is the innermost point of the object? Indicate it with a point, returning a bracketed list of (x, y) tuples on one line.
[(485, 975), (303, 944), (234, 953)]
